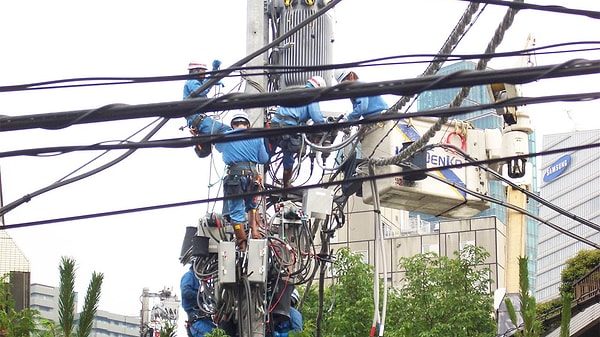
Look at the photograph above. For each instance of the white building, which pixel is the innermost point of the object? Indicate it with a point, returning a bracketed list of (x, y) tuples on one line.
[(45, 299), (570, 181)]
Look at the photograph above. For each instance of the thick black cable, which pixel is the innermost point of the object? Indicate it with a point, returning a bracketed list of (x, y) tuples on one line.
[(278, 70), (28, 197), (528, 193), (544, 8), (208, 84), (294, 189), (318, 128), (221, 74), (518, 209), (305, 96)]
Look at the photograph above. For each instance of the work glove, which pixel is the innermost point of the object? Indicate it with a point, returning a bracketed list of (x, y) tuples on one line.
[(216, 65)]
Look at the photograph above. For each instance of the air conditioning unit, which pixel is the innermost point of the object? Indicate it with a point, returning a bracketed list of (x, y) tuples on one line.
[(429, 195)]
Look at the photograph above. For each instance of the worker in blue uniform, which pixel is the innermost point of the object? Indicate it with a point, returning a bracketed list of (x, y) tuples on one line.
[(295, 323), (290, 144), (198, 323), (191, 85), (241, 158), (361, 106)]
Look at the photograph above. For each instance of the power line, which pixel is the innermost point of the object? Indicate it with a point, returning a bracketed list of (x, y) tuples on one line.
[(301, 96), (544, 8), (298, 188), (317, 128)]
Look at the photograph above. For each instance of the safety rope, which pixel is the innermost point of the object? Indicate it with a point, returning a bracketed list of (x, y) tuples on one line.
[(458, 99)]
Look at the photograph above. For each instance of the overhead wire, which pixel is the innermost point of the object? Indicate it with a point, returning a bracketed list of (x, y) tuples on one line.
[(295, 188), (460, 96)]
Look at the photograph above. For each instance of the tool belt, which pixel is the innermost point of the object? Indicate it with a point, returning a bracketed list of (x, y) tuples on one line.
[(242, 177)]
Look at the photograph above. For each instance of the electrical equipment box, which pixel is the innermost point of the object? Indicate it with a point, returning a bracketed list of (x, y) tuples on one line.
[(428, 195), (257, 260), (317, 202), (226, 260)]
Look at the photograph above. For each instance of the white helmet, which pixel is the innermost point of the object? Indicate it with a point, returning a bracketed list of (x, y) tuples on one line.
[(317, 82), (240, 116), (197, 65), (295, 297), (340, 74)]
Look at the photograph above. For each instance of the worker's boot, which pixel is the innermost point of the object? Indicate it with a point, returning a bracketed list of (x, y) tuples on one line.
[(287, 176), (253, 224), (240, 236)]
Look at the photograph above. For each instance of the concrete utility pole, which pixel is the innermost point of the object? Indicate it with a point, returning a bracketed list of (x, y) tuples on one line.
[(257, 36)]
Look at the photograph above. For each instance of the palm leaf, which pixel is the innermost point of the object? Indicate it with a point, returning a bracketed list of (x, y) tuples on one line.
[(90, 305), (66, 296)]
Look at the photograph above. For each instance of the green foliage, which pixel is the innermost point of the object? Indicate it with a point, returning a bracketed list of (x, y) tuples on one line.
[(218, 332), (66, 300), (444, 296), (348, 303), (90, 305), (576, 267), (66, 296), (531, 326), (170, 330), (565, 320), (14, 323)]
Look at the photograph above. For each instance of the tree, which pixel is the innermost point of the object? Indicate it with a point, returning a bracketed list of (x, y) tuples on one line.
[(445, 297), (531, 326), (14, 323), (66, 300), (576, 267)]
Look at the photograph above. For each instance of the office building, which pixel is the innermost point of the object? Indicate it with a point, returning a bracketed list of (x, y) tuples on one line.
[(570, 181)]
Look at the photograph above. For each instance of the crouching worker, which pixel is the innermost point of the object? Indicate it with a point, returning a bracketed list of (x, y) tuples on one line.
[(291, 144), (241, 158)]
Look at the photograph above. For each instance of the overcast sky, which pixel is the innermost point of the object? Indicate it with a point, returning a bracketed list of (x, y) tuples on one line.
[(49, 40)]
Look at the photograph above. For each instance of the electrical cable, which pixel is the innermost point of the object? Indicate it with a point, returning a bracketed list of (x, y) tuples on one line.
[(529, 194), (445, 51), (544, 8), (278, 70), (460, 96), (265, 133), (292, 189), (304, 96), (518, 209)]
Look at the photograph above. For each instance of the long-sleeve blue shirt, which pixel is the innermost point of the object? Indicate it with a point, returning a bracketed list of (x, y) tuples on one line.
[(189, 291), (366, 106), (192, 84), (245, 150), (301, 114)]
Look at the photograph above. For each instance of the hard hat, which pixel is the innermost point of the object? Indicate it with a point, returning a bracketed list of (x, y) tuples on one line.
[(317, 82), (340, 74), (240, 116), (295, 296), (197, 65)]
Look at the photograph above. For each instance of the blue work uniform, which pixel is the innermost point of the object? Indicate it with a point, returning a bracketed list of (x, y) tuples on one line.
[(198, 322), (190, 86), (295, 323), (366, 106), (292, 116), (241, 157)]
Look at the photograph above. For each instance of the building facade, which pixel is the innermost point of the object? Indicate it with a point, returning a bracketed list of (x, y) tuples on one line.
[(45, 299), (570, 181), (14, 265)]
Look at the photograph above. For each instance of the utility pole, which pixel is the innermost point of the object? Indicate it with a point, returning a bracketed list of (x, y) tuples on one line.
[(257, 36)]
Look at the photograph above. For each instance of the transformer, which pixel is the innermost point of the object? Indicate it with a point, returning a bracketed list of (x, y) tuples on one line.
[(310, 46), (425, 194)]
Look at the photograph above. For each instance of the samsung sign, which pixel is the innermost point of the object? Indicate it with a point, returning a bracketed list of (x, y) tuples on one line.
[(557, 168)]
